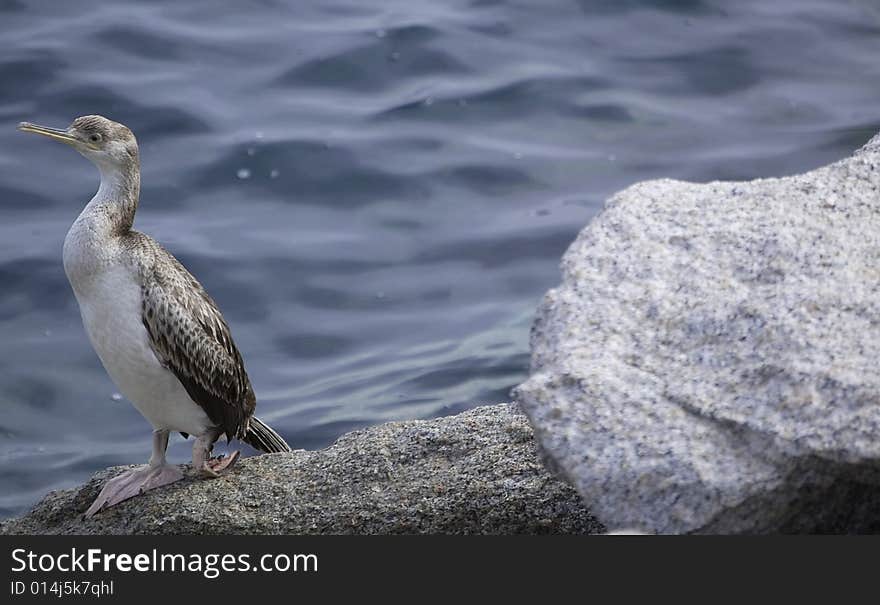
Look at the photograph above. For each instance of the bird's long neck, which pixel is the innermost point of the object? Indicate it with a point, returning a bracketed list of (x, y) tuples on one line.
[(88, 247), (114, 205)]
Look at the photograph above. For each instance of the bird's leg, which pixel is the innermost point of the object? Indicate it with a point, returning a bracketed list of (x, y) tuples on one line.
[(202, 460), (136, 481)]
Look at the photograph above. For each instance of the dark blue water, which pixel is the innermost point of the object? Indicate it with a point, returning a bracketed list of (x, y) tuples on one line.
[(377, 192)]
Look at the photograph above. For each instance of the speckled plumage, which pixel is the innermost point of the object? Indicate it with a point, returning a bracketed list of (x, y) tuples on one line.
[(190, 337)]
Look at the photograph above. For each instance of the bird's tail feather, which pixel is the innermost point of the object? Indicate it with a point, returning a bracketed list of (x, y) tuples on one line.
[(261, 436)]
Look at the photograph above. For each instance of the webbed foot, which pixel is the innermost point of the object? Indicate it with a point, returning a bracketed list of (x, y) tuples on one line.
[(131, 483)]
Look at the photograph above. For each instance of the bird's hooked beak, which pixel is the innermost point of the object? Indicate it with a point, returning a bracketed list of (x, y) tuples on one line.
[(52, 133)]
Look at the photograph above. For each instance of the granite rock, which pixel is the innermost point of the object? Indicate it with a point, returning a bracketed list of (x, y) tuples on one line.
[(708, 363), (477, 472)]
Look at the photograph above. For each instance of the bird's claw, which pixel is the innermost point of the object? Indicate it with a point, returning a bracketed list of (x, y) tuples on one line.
[(214, 467)]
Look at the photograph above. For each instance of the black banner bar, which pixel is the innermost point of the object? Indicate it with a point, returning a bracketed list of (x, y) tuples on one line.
[(119, 569)]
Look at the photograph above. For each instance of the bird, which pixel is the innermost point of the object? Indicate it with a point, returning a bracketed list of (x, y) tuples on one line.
[(157, 332)]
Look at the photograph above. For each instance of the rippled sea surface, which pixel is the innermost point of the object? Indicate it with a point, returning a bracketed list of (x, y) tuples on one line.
[(377, 192)]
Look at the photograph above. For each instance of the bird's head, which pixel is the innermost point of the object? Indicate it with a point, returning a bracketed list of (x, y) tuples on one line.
[(110, 145)]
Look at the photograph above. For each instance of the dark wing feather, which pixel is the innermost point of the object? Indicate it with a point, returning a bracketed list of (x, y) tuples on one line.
[(190, 337)]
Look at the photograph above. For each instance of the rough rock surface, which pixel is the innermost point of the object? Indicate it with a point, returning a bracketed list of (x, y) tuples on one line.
[(709, 362), (477, 472)]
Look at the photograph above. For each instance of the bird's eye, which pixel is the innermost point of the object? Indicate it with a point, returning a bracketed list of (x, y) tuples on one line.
[(94, 138)]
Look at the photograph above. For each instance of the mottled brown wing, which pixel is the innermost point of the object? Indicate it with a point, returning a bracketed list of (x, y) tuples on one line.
[(190, 337)]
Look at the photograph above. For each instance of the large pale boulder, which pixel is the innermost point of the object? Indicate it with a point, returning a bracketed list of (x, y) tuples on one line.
[(709, 362)]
